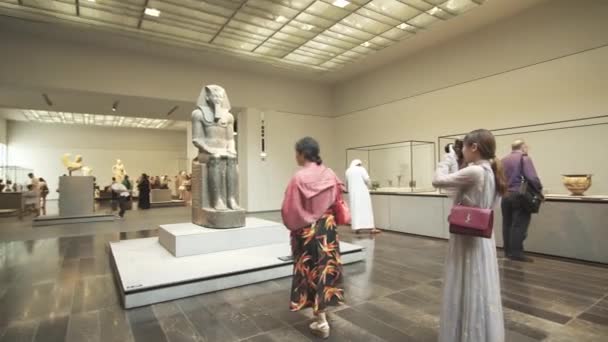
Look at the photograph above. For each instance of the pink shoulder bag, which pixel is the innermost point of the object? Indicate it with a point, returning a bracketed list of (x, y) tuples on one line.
[(471, 221)]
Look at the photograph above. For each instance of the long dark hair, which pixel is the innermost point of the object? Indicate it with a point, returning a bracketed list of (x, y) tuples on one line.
[(309, 149), (486, 144)]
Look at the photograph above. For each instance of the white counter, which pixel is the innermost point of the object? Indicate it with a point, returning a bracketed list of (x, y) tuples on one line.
[(567, 226)]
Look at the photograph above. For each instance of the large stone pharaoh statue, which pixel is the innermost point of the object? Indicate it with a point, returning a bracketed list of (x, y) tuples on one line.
[(215, 191)]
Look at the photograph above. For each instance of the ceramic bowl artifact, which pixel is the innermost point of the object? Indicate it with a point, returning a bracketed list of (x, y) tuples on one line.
[(577, 184)]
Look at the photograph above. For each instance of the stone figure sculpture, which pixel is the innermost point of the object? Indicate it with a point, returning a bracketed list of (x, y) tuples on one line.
[(118, 170), (75, 165), (215, 191)]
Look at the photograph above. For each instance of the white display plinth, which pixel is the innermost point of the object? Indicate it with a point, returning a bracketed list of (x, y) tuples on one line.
[(147, 273), (184, 239), (76, 196), (76, 203)]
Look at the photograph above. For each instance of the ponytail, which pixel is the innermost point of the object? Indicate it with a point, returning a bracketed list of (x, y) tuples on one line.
[(499, 176)]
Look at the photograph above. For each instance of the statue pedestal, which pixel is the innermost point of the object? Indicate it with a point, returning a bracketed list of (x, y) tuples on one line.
[(76, 203), (76, 196), (202, 213)]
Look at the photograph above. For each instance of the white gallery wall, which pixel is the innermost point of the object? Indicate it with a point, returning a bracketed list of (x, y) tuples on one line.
[(265, 180), (41, 146), (545, 64)]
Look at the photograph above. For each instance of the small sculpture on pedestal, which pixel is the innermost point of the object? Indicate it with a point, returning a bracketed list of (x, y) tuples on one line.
[(215, 191), (119, 171), (75, 165)]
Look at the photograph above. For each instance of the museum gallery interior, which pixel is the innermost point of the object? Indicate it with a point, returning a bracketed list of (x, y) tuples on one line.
[(302, 170)]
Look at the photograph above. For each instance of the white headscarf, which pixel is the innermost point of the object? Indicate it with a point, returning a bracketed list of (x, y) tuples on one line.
[(356, 162)]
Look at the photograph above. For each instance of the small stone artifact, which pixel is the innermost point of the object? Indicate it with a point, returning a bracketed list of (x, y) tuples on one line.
[(577, 184), (119, 171), (215, 190), (75, 165)]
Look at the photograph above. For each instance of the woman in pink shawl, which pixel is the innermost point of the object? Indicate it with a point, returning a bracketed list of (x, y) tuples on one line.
[(308, 212)]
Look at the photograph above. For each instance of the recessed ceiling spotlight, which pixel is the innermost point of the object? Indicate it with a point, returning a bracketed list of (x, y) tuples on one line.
[(403, 26), (152, 12), (115, 105), (341, 3), (366, 44)]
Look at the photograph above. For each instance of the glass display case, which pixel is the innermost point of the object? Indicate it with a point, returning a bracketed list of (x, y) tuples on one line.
[(561, 151), (17, 175), (405, 166)]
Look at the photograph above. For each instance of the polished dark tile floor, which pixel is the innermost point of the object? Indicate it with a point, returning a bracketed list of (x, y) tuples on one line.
[(56, 285)]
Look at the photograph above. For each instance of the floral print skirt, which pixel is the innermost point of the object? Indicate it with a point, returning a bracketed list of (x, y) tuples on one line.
[(317, 271)]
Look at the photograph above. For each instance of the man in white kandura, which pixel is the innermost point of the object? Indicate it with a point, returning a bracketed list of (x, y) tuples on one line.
[(358, 182)]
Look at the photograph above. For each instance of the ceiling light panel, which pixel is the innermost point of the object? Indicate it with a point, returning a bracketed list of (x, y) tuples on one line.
[(295, 28), (365, 24), (423, 20), (317, 35), (259, 21), (327, 11), (422, 5), (314, 20), (379, 17), (351, 32), (458, 6), (93, 119), (51, 6), (395, 9), (397, 34)]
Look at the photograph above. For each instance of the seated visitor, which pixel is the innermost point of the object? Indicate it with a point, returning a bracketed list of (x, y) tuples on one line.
[(9, 186), (31, 200)]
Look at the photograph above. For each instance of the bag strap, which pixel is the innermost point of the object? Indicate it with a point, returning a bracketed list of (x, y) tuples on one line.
[(522, 174)]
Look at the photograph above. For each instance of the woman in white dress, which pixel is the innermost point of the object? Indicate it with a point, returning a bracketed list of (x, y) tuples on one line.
[(472, 307), (358, 182)]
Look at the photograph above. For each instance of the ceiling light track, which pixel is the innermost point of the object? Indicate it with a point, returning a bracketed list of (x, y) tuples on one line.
[(47, 100), (143, 14), (172, 110), (228, 21)]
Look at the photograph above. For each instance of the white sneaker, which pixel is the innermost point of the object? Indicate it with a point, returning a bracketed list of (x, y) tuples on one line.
[(319, 329)]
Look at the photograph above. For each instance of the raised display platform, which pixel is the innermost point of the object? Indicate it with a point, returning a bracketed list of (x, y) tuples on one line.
[(183, 239), (55, 220), (148, 273), (171, 203)]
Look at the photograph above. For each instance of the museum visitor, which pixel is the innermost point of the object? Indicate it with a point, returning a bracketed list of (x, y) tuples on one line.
[(143, 187), (123, 195), (358, 184), (44, 192), (308, 212), (516, 215), (472, 307)]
